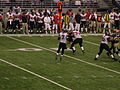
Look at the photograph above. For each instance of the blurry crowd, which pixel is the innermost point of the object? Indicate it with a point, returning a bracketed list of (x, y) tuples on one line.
[(47, 21)]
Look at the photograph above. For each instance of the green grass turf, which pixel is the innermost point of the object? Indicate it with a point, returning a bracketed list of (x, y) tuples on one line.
[(71, 73)]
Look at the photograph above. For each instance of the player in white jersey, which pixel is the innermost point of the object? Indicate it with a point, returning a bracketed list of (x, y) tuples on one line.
[(1, 22), (40, 22), (32, 21), (10, 19), (104, 45), (47, 22), (16, 20), (62, 44), (117, 20), (83, 21), (78, 39), (112, 18)]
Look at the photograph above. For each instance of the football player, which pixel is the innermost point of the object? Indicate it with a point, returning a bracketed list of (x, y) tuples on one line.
[(104, 45), (24, 19), (1, 22), (32, 17), (16, 20), (10, 19), (78, 39), (114, 43), (83, 21), (47, 22), (62, 44)]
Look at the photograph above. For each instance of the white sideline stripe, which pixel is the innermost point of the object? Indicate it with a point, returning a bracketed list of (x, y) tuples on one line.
[(35, 74), (19, 35), (67, 56)]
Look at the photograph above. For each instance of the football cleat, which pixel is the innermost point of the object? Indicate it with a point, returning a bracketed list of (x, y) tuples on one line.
[(95, 58), (108, 54), (83, 51), (114, 59)]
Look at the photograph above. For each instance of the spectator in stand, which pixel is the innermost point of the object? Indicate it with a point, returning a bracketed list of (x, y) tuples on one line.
[(78, 3), (34, 2)]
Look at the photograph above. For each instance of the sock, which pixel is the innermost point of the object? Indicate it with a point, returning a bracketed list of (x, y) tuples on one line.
[(57, 53), (81, 29), (74, 48), (97, 56), (46, 32), (61, 55), (119, 54), (86, 29), (82, 48), (112, 56)]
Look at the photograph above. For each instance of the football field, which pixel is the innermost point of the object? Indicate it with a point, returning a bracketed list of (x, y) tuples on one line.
[(28, 63)]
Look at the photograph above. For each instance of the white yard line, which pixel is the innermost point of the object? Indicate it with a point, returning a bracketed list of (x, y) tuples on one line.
[(66, 56), (28, 71), (92, 43)]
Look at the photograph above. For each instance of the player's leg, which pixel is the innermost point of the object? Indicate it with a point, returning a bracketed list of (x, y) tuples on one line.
[(53, 28), (14, 25), (23, 28), (63, 49), (58, 51), (72, 45), (81, 46), (86, 29), (105, 24), (100, 51), (0, 27), (82, 26), (62, 53), (56, 28), (90, 25), (46, 28), (109, 27), (26, 28), (49, 28), (76, 26), (94, 27), (106, 47)]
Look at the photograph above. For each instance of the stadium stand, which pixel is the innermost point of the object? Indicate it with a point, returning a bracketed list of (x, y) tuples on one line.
[(48, 4), (117, 3)]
